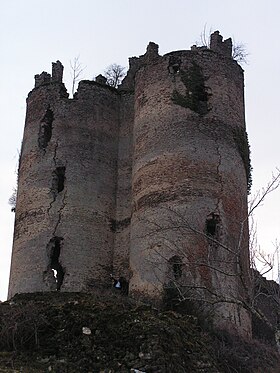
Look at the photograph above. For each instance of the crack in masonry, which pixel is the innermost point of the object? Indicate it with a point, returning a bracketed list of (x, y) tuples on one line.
[(54, 195), (220, 178), (55, 153), (45, 129), (64, 195), (60, 213)]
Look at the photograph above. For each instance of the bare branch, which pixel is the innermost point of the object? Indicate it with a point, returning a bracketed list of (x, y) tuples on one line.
[(76, 72), (115, 74), (239, 52), (259, 198), (204, 37)]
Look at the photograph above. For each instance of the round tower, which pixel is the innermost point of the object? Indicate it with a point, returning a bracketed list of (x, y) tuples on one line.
[(66, 190), (190, 178)]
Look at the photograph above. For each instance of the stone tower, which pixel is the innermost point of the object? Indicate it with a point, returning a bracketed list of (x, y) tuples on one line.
[(148, 182)]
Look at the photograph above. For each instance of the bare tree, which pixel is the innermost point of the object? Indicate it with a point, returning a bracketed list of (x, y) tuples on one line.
[(260, 260), (115, 74), (239, 52), (76, 72), (170, 248)]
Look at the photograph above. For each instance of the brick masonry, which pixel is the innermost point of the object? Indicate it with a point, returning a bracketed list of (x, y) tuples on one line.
[(122, 181)]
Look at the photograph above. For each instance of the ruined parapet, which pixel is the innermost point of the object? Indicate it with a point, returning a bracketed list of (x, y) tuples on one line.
[(42, 79), (136, 63), (57, 72), (45, 79), (127, 83), (218, 45), (67, 185), (152, 52)]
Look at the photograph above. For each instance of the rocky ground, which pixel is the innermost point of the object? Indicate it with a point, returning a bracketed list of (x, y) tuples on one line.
[(73, 332)]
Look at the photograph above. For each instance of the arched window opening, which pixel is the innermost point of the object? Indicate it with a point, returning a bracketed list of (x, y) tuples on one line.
[(45, 129)]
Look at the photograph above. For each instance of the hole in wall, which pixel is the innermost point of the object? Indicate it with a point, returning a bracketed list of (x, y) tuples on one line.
[(212, 225), (176, 267), (58, 179), (121, 284), (174, 65), (196, 94), (174, 69), (45, 129), (54, 249)]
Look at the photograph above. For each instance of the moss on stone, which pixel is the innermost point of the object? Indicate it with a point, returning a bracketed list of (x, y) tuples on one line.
[(196, 96), (241, 140)]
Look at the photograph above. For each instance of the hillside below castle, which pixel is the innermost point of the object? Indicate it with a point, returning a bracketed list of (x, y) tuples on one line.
[(70, 333)]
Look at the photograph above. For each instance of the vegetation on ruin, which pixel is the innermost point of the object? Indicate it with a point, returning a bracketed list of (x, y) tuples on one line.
[(74, 332), (241, 140), (196, 95)]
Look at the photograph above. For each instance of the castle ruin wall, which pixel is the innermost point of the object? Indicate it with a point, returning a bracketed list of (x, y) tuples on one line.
[(147, 182)]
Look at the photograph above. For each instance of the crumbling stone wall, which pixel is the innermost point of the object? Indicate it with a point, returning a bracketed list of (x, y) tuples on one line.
[(147, 181), (187, 168), (67, 189)]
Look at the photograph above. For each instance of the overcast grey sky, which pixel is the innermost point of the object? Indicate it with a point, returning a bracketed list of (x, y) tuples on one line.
[(33, 33)]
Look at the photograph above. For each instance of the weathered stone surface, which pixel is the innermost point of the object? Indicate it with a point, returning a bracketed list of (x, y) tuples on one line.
[(121, 181)]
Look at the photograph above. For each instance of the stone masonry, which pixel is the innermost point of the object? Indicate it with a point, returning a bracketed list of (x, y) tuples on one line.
[(147, 182)]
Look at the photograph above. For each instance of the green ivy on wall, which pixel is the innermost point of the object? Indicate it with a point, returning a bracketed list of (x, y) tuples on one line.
[(241, 140)]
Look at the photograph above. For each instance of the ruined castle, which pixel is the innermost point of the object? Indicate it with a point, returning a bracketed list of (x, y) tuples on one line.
[(147, 182)]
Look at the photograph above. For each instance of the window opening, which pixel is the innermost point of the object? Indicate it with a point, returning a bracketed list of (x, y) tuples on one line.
[(45, 130), (176, 267), (55, 265), (120, 284), (58, 179), (212, 225), (174, 65)]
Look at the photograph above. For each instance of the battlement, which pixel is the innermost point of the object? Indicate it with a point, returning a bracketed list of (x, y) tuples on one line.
[(218, 45), (152, 56), (45, 78), (42, 79), (57, 72)]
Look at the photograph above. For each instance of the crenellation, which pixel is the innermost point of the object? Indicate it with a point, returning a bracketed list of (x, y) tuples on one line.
[(146, 182), (57, 72), (42, 79), (218, 45), (152, 52), (227, 46)]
